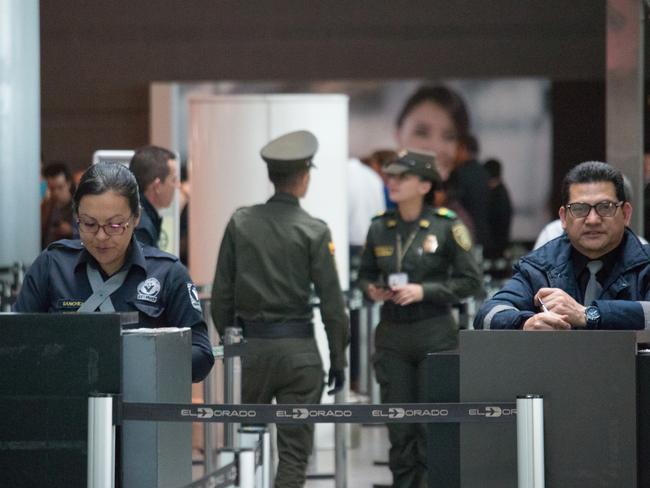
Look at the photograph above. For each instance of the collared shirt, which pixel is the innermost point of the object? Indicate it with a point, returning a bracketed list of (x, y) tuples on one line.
[(157, 286), (581, 271), (148, 229)]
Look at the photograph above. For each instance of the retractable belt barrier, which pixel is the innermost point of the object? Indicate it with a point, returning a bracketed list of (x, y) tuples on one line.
[(242, 472), (319, 413)]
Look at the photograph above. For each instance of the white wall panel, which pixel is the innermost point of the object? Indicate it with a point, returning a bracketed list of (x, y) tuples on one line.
[(226, 134)]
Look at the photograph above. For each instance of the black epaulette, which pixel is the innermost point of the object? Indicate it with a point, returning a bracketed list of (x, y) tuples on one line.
[(154, 252), (66, 244)]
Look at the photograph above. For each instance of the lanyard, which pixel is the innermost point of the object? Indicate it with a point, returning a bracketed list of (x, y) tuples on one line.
[(402, 252), (102, 290)]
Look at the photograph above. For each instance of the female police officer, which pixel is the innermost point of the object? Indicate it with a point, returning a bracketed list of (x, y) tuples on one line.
[(417, 261), (109, 270)]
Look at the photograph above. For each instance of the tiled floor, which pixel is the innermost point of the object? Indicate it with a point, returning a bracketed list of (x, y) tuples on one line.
[(362, 470)]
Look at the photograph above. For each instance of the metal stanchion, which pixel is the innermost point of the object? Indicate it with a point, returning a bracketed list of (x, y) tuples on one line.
[(101, 443), (247, 468), (209, 395), (373, 321), (232, 381), (340, 447), (364, 358), (267, 468), (530, 441)]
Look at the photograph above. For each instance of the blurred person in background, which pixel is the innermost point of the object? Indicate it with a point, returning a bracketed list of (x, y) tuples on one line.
[(378, 160), (56, 208), (155, 171), (468, 183), (365, 201), (499, 211)]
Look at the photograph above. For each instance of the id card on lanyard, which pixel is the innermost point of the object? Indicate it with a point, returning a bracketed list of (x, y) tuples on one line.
[(400, 278)]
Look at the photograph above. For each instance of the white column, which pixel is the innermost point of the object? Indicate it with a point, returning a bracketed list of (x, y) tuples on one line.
[(19, 131)]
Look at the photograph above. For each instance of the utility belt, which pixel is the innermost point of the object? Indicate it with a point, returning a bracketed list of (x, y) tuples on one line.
[(290, 329), (412, 313)]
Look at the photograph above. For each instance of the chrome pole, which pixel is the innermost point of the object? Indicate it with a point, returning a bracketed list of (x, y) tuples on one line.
[(209, 393), (340, 445), (530, 441), (101, 443), (232, 381), (247, 468)]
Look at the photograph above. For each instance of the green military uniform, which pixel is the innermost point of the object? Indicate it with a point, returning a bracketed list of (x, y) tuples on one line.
[(270, 256), (434, 251)]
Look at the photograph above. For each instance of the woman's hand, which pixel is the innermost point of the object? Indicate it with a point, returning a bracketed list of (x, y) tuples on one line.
[(379, 294), (407, 294)]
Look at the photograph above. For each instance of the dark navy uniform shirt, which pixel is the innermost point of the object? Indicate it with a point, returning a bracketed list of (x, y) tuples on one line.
[(148, 229), (157, 286)]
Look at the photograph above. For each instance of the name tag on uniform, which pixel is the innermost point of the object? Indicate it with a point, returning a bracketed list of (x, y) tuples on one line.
[(384, 251), (69, 304), (398, 279)]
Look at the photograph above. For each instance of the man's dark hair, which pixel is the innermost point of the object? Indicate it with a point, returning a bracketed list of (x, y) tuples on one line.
[(493, 168), (286, 182), (103, 177), (56, 168), (593, 172), (149, 163)]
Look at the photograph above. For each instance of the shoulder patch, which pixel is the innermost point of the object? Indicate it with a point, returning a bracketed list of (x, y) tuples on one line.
[(385, 213), (461, 236), (445, 212), (194, 297)]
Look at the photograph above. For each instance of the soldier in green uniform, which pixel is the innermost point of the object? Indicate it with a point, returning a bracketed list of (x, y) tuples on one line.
[(270, 256), (418, 262)]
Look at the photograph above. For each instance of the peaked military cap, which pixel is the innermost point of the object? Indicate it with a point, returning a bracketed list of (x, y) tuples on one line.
[(290, 152), (418, 163)]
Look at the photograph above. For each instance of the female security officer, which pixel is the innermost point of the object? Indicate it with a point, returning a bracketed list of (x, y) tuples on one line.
[(109, 270), (417, 261)]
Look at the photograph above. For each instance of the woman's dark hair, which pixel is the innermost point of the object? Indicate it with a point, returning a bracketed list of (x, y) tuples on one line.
[(103, 177), (447, 99), (593, 172)]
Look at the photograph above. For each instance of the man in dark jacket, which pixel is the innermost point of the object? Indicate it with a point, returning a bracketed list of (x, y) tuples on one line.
[(155, 171), (595, 276)]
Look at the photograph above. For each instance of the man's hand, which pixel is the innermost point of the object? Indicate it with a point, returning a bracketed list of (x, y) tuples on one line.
[(561, 303), (379, 294), (547, 321), (407, 294), (337, 378)]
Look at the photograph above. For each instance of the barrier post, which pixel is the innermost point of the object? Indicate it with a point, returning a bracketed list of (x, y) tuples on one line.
[(209, 393), (530, 441), (247, 468), (232, 381), (373, 321), (267, 468), (101, 442)]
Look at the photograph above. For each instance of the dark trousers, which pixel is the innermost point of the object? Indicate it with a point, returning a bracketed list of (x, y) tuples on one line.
[(291, 371), (401, 350)]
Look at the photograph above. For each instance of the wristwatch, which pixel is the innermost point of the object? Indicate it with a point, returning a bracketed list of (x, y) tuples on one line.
[(592, 317)]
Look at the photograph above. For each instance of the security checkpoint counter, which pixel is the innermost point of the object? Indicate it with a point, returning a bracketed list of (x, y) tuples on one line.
[(51, 363)]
